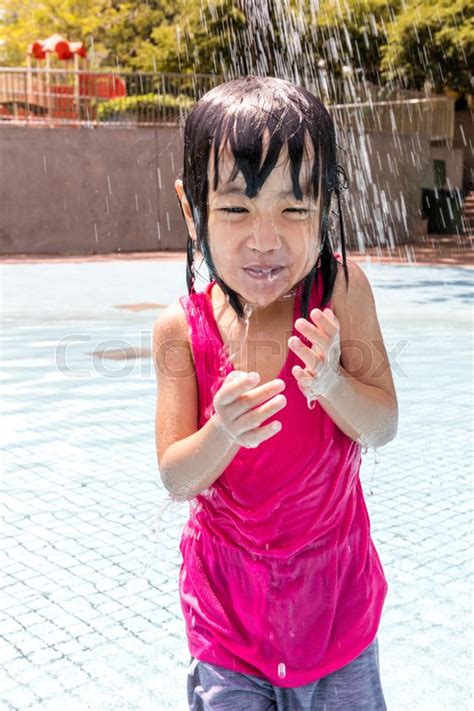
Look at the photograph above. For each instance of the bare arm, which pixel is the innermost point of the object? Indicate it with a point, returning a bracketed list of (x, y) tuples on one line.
[(362, 400), (363, 412), (191, 459), (194, 463)]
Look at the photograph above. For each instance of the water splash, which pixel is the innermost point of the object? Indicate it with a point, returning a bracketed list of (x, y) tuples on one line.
[(237, 345), (376, 462), (162, 538), (288, 40), (363, 445)]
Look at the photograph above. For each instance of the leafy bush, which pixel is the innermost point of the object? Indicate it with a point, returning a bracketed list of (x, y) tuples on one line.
[(144, 104)]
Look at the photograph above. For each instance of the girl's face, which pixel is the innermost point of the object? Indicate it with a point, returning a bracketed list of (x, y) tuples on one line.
[(272, 231)]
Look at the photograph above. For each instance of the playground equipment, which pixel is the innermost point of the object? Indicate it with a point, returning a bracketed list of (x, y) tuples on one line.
[(56, 95)]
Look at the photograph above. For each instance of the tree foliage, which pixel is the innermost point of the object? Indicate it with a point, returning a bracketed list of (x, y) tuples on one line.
[(431, 40), (408, 41), (354, 34), (25, 21)]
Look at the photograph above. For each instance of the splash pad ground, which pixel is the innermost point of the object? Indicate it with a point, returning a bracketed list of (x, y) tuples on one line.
[(90, 541), (427, 249)]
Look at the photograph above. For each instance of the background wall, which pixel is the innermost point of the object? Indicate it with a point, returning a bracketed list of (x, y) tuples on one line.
[(382, 204), (81, 191), (453, 159), (464, 139), (86, 191)]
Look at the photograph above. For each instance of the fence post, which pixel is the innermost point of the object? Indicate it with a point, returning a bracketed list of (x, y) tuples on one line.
[(77, 102), (49, 98), (29, 87)]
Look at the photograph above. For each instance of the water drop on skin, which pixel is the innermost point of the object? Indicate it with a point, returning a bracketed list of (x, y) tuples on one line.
[(281, 670), (363, 445)]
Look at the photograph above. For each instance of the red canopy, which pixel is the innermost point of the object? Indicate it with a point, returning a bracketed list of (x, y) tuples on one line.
[(63, 48)]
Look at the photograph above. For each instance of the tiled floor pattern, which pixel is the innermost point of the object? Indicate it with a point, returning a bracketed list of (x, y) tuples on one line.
[(89, 612)]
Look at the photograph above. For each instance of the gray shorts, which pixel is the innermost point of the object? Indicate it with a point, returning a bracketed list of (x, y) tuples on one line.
[(355, 687)]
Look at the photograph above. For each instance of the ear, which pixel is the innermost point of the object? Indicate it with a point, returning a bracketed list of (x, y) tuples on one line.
[(186, 208)]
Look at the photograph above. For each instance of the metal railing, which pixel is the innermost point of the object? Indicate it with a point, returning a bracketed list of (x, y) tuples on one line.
[(58, 97), (61, 97)]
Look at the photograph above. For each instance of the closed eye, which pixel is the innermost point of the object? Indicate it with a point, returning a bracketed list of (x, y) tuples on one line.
[(233, 210), (297, 209)]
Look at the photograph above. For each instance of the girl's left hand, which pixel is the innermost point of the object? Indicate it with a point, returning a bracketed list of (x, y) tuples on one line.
[(322, 359)]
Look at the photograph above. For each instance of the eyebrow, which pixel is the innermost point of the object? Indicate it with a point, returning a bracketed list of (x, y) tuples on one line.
[(231, 189)]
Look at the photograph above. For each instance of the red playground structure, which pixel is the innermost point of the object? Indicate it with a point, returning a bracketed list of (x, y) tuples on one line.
[(66, 94)]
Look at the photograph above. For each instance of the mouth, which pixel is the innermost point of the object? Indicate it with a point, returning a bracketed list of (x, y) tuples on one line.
[(262, 274)]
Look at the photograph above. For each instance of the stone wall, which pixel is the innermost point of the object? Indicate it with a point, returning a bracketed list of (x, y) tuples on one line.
[(101, 190), (86, 191)]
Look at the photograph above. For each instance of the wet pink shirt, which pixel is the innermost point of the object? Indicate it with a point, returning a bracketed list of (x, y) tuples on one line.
[(280, 577)]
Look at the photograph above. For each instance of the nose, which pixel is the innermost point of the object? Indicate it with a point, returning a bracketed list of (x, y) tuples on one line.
[(264, 235)]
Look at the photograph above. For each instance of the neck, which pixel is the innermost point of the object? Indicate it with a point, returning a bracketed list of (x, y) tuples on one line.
[(258, 316)]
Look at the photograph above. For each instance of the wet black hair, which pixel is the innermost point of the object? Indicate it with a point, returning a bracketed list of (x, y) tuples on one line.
[(237, 113)]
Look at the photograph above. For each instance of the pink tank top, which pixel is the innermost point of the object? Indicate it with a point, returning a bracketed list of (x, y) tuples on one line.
[(280, 577)]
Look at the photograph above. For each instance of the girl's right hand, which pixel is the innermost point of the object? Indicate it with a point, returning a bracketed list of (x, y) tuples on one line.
[(234, 402)]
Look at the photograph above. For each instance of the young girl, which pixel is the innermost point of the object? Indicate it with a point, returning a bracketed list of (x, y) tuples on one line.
[(270, 381)]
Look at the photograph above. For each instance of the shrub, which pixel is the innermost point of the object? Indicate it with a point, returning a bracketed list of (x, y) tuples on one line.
[(144, 105)]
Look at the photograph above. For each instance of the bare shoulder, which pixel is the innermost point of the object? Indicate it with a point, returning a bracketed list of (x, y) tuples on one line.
[(177, 392), (170, 324), (358, 287)]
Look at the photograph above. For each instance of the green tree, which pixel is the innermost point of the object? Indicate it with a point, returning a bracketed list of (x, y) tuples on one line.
[(25, 21), (171, 36), (157, 35), (399, 41), (431, 40)]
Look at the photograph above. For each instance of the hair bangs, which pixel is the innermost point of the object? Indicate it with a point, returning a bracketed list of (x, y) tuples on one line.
[(241, 135)]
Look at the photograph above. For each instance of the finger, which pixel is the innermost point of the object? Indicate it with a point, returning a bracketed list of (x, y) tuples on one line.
[(235, 383), (324, 321), (250, 420), (256, 395), (331, 315), (314, 334), (303, 373), (241, 399), (307, 355), (255, 437)]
